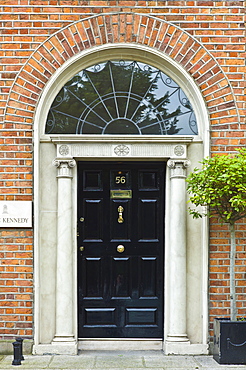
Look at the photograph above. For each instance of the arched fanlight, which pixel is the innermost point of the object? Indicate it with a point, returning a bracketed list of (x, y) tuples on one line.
[(121, 97)]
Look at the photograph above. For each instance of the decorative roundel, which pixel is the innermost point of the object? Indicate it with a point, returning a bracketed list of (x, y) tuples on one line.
[(122, 150), (179, 150), (64, 150)]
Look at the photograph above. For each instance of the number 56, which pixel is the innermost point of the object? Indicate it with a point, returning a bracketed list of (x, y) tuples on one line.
[(120, 179)]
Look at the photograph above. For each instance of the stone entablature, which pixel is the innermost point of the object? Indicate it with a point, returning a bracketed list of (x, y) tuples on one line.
[(65, 338), (153, 147)]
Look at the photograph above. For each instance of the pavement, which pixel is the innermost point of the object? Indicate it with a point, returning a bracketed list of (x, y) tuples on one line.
[(112, 360)]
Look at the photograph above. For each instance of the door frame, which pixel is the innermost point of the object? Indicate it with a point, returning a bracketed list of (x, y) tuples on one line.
[(105, 148), (69, 150)]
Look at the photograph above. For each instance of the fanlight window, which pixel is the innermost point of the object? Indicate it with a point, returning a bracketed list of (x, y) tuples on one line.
[(121, 97)]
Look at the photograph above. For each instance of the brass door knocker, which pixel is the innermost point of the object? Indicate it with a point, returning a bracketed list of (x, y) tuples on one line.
[(120, 218)]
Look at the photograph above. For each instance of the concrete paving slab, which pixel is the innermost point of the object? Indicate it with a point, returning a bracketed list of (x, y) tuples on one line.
[(106, 360), (75, 362), (209, 363), (30, 362), (184, 362), (126, 360), (223, 367)]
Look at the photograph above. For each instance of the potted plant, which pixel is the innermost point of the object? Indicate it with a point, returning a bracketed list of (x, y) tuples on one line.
[(220, 186)]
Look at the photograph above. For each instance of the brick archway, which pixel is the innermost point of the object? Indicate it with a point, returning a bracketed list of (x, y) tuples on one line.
[(116, 28)]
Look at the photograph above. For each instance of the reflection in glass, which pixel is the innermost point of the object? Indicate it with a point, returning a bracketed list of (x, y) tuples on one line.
[(121, 97)]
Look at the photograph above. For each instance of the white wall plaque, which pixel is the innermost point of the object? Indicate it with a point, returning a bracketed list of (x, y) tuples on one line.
[(15, 214)]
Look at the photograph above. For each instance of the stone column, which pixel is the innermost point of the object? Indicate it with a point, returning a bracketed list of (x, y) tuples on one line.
[(64, 338), (177, 255)]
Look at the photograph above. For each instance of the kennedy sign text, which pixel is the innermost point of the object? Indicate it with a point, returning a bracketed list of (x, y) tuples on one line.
[(15, 214)]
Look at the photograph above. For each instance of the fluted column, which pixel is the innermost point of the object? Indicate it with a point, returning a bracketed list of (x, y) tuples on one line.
[(64, 273), (177, 289)]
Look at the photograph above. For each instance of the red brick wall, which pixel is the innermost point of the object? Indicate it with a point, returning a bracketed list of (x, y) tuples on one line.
[(206, 37), (219, 285), (16, 283)]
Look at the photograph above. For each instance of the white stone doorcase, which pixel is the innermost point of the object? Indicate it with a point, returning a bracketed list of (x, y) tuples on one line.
[(68, 151), (177, 322), (55, 207)]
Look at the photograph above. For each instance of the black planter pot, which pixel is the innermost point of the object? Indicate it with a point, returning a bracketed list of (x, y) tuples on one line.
[(229, 341)]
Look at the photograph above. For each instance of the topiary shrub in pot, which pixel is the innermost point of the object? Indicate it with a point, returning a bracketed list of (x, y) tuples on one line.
[(220, 187)]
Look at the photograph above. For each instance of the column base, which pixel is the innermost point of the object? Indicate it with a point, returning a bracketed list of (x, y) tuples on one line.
[(56, 348), (63, 338), (185, 348), (177, 338)]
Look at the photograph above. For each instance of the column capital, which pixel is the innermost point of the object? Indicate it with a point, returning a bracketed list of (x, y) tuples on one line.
[(64, 166), (178, 167)]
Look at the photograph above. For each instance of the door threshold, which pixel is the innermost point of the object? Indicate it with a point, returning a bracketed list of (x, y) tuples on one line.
[(116, 344)]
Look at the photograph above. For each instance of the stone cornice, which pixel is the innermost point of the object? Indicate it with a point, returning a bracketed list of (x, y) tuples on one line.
[(69, 139)]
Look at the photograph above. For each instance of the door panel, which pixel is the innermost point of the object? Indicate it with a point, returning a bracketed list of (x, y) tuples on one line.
[(148, 219), (141, 316), (92, 180), (92, 267), (121, 277), (104, 316), (120, 249), (93, 209), (148, 278)]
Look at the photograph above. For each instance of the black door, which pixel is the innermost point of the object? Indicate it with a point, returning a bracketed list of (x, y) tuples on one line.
[(120, 249)]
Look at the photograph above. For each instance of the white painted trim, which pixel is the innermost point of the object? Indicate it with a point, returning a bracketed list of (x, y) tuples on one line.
[(167, 252), (75, 251), (36, 201)]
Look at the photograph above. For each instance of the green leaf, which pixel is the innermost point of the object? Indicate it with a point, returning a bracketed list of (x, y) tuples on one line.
[(220, 183)]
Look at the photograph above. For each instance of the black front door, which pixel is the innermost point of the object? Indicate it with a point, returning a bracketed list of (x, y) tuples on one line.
[(120, 249)]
